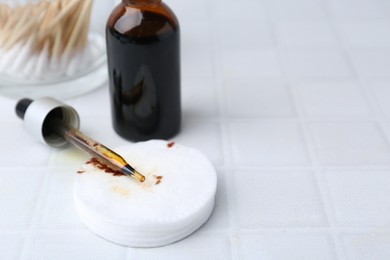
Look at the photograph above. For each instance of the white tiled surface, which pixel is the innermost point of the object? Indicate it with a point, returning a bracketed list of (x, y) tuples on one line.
[(288, 99), (286, 246)]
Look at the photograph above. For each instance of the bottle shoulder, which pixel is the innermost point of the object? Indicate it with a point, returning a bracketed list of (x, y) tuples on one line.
[(143, 20)]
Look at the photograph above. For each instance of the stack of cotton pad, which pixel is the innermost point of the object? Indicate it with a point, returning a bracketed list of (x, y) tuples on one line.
[(176, 198)]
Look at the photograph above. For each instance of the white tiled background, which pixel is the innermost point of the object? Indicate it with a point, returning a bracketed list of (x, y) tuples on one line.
[(290, 101)]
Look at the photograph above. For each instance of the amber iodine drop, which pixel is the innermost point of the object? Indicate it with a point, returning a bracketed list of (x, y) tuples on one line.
[(143, 48)]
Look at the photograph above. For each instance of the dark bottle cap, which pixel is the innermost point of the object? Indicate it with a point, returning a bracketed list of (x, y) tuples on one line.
[(22, 106)]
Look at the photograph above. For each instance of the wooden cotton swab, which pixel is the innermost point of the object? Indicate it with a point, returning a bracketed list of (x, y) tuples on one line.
[(84, 34), (64, 12), (4, 14), (50, 14), (71, 24), (13, 19), (78, 28), (59, 32), (57, 26), (19, 34), (17, 27)]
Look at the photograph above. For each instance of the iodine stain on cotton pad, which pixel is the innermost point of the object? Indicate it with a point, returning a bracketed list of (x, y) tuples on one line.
[(176, 198)]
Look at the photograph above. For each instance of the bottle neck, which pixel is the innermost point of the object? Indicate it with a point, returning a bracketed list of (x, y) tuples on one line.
[(141, 2)]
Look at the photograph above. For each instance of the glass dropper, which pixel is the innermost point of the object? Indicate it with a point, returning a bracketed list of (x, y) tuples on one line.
[(55, 123), (103, 154)]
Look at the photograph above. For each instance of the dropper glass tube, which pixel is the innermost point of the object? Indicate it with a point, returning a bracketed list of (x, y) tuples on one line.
[(102, 153), (56, 123)]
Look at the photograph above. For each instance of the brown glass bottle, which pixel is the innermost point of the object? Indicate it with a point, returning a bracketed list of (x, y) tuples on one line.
[(143, 48)]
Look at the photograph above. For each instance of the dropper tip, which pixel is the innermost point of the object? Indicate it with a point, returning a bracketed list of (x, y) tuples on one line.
[(138, 176), (130, 171)]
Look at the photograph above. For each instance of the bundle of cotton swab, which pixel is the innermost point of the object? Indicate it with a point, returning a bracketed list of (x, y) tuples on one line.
[(46, 39)]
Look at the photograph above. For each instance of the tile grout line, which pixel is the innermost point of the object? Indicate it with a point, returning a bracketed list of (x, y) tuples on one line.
[(377, 118), (40, 201), (376, 109), (323, 190), (381, 118), (310, 146), (331, 211), (310, 119), (363, 83), (310, 168), (318, 230), (225, 140)]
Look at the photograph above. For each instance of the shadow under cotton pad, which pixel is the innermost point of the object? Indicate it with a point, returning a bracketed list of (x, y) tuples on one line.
[(176, 198)]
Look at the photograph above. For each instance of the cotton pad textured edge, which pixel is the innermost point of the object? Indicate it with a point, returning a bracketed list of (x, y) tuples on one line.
[(176, 199), (143, 240)]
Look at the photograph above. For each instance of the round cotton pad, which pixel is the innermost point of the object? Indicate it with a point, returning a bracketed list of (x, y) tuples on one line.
[(176, 198)]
